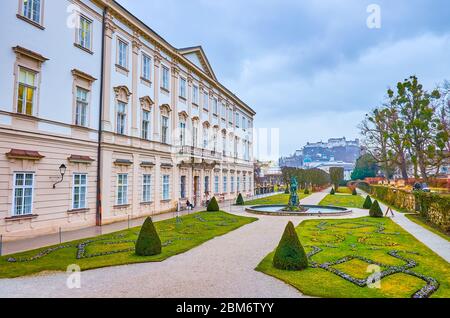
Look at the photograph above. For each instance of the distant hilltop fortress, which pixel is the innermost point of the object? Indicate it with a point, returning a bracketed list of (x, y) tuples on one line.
[(337, 152)]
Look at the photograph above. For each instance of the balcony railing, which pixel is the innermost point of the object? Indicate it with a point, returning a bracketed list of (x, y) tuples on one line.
[(200, 153)]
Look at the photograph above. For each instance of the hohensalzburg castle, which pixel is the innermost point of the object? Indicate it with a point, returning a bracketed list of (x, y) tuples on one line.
[(337, 152)]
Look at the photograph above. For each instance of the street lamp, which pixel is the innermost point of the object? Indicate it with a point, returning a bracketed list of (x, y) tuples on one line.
[(62, 171)]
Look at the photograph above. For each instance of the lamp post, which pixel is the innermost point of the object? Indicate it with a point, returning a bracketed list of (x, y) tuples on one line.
[(62, 171)]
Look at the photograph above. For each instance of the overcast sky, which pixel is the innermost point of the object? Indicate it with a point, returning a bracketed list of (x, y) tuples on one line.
[(311, 68)]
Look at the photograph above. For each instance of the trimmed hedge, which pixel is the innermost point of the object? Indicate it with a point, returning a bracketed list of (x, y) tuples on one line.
[(375, 210), (148, 242), (434, 207), (240, 200), (290, 254), (213, 206), (367, 203)]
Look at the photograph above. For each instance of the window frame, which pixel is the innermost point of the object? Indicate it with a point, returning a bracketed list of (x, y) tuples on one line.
[(21, 14), (165, 129), (122, 186), (165, 77), (119, 53), (123, 116), (225, 184), (144, 123), (183, 91), (85, 205), (183, 186), (206, 101), (27, 86), (216, 184), (195, 94), (145, 191), (163, 187), (78, 30), (143, 69), (86, 105), (23, 187), (215, 106)]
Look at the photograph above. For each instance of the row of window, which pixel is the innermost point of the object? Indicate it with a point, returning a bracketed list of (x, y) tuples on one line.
[(28, 82), (24, 187), (245, 186)]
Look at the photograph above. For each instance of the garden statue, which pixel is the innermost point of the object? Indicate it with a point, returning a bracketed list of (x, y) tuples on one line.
[(293, 198)]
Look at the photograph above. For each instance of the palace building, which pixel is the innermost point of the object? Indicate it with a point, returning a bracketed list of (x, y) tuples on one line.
[(102, 120)]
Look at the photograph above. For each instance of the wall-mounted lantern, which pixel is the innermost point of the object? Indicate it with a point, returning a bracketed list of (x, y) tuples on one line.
[(62, 171)]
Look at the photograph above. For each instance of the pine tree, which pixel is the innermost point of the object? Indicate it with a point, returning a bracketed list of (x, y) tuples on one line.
[(290, 254), (148, 242), (240, 200), (375, 210), (213, 206), (367, 203)]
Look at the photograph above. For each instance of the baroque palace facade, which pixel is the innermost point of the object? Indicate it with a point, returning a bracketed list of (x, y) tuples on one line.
[(102, 120)]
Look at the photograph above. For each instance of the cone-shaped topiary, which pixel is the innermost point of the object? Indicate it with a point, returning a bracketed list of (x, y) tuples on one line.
[(240, 200), (367, 203), (332, 192), (290, 254), (375, 210), (306, 191), (148, 242), (213, 206), (354, 192)]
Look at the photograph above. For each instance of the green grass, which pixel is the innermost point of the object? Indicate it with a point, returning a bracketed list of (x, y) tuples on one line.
[(358, 237), (176, 238), (344, 200), (344, 190), (275, 199), (418, 219)]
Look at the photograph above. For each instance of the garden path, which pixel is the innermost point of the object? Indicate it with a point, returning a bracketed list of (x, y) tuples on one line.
[(222, 267), (433, 241)]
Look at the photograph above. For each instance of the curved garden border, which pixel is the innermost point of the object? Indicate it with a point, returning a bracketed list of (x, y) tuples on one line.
[(339, 211)]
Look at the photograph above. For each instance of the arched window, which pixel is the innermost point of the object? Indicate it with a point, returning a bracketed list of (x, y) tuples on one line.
[(122, 98), (146, 106), (165, 123)]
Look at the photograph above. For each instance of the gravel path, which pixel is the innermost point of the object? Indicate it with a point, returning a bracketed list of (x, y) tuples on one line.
[(222, 267)]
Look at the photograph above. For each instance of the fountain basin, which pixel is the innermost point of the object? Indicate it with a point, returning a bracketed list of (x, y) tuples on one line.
[(311, 210)]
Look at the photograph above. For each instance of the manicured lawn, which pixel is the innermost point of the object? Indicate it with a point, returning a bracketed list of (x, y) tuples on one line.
[(362, 241), (176, 238), (344, 190), (416, 218), (275, 199), (344, 200)]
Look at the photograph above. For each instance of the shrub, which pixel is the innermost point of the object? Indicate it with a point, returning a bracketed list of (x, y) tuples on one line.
[(148, 242), (332, 192), (306, 191), (240, 200), (367, 203), (290, 254), (213, 206), (286, 191), (375, 210), (354, 192)]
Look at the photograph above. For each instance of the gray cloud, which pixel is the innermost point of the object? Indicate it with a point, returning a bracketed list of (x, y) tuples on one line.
[(310, 67)]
